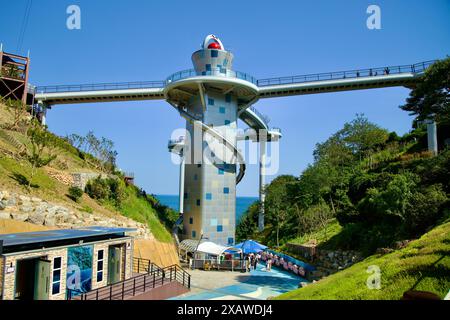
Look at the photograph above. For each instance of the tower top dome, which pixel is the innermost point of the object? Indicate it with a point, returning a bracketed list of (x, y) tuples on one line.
[(212, 42)]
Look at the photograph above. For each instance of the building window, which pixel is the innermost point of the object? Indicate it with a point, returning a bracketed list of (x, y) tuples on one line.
[(193, 234), (228, 98), (230, 241), (210, 101), (208, 67), (221, 171), (214, 53), (223, 70), (227, 122), (191, 220), (199, 165), (225, 62), (100, 257), (226, 190), (222, 109), (185, 195), (56, 282), (208, 196), (219, 228), (198, 202)]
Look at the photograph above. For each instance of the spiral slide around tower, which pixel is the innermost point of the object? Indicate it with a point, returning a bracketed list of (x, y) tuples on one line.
[(219, 137)]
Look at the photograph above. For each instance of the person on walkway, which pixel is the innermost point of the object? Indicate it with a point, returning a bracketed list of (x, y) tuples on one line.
[(269, 264), (255, 262)]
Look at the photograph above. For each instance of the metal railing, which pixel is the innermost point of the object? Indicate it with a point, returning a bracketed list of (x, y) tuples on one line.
[(150, 277), (180, 75), (184, 74), (100, 86), (350, 74), (233, 265), (263, 117)]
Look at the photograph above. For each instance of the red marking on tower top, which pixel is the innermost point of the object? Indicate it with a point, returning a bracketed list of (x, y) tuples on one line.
[(214, 45)]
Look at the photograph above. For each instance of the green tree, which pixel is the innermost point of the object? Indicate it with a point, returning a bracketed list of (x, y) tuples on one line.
[(42, 147), (430, 97)]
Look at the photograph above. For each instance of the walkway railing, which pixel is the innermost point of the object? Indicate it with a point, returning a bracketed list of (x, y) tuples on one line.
[(350, 74), (150, 277), (233, 265), (180, 75), (100, 86)]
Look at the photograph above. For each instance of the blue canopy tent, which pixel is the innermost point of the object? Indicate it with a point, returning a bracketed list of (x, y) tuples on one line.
[(250, 246)]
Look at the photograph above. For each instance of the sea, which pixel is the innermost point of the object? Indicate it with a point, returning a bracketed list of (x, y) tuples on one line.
[(242, 203)]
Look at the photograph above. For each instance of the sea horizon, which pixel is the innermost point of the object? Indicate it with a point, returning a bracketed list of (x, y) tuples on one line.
[(242, 203)]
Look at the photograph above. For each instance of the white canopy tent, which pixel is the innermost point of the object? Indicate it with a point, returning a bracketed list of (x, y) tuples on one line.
[(212, 248)]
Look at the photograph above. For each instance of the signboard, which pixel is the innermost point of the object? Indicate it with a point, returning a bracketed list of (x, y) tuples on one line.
[(10, 269)]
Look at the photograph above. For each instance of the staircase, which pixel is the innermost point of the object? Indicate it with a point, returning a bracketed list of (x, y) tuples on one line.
[(149, 282)]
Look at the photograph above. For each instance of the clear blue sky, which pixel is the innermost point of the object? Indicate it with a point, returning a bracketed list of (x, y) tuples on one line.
[(148, 40)]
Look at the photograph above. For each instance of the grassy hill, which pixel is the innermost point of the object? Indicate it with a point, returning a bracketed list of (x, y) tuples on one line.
[(51, 182), (423, 265)]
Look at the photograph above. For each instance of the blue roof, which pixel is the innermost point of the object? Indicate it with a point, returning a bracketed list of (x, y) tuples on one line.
[(12, 239)]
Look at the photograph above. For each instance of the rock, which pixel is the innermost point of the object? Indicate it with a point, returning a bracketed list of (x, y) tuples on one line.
[(24, 199), (37, 218), (50, 221), (384, 250), (2, 205), (34, 199), (11, 201), (5, 215), (26, 208), (20, 216)]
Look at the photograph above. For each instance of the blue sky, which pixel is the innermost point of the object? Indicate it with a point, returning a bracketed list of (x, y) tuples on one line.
[(148, 40)]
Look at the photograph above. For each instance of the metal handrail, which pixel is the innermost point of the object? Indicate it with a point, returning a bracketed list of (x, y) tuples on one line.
[(100, 86), (349, 74), (416, 68), (188, 73)]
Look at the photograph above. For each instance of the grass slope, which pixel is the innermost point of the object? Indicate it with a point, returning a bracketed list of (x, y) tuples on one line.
[(423, 265), (14, 171)]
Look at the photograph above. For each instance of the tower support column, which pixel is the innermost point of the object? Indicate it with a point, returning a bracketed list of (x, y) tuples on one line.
[(432, 136), (262, 180), (181, 187)]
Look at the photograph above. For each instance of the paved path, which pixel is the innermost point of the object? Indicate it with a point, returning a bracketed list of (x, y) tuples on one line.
[(226, 285)]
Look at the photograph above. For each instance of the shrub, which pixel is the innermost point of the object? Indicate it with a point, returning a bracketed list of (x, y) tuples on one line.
[(98, 189), (75, 193)]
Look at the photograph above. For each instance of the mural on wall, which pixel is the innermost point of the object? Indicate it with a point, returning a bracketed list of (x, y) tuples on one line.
[(79, 268)]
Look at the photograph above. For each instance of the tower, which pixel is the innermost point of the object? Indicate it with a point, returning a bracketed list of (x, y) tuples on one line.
[(210, 97)]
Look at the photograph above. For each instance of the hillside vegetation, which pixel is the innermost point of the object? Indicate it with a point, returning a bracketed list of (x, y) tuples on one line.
[(424, 265), (35, 162)]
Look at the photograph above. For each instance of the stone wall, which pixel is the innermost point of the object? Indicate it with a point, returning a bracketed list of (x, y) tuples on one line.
[(326, 261), (41, 212), (1, 276), (81, 179)]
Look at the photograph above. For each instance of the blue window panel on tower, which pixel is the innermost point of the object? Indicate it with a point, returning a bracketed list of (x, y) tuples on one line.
[(226, 190), (214, 53), (210, 101), (213, 222), (221, 171), (208, 67), (203, 73), (223, 70), (228, 98), (198, 202), (230, 241), (191, 220), (219, 228), (222, 109), (193, 233), (208, 196), (227, 122), (225, 62)]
